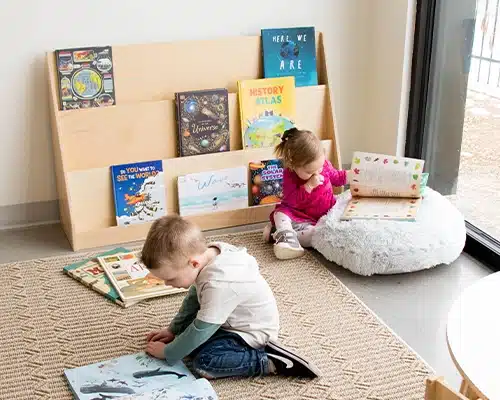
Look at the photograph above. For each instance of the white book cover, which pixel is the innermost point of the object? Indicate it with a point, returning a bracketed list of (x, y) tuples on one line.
[(206, 192)]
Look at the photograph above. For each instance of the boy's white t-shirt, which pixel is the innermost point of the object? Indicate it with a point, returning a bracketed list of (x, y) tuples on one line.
[(232, 293)]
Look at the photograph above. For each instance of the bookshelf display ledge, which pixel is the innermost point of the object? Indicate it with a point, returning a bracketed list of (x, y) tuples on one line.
[(368, 247)]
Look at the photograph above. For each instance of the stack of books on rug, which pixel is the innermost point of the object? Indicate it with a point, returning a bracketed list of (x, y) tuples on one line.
[(120, 276), (137, 377)]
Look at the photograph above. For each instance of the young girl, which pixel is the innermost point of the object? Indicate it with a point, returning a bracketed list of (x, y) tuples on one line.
[(308, 182)]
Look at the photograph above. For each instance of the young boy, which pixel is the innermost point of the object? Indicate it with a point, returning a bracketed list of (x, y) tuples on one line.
[(228, 322)]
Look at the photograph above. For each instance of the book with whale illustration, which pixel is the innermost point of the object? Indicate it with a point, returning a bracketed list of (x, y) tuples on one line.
[(137, 376)]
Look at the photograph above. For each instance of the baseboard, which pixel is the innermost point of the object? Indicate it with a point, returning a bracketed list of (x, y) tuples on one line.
[(29, 214)]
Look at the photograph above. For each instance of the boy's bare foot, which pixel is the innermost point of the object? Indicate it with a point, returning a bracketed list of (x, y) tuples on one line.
[(287, 245), (285, 362)]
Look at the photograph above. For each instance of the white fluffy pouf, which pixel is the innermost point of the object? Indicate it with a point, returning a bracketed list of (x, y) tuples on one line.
[(368, 247)]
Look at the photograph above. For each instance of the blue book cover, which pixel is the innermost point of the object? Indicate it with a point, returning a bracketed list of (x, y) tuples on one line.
[(128, 375), (290, 52), (139, 192)]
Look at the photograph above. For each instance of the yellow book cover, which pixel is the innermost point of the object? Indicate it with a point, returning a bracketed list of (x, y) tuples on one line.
[(267, 108)]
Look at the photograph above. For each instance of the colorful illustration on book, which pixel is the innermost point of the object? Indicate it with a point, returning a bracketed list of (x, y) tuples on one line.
[(203, 121), (290, 52), (200, 389), (139, 192), (127, 375), (85, 77), (267, 108), (382, 208), (219, 190), (380, 175), (266, 178)]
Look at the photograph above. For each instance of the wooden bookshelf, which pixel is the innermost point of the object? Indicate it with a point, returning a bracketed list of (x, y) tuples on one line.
[(142, 127)]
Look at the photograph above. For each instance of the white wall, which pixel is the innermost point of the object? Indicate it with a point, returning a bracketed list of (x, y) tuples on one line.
[(30, 28)]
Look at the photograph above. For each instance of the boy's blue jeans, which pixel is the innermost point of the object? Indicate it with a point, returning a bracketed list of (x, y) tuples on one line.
[(226, 354)]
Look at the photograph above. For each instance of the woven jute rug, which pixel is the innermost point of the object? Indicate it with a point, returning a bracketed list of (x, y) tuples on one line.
[(49, 322)]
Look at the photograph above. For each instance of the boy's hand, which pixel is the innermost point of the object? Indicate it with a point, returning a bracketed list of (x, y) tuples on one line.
[(314, 181), (156, 349), (164, 335)]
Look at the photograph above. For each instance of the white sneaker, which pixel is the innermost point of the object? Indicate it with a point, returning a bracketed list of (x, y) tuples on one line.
[(287, 245)]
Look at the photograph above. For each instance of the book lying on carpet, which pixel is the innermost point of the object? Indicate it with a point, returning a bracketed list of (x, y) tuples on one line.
[(137, 376), (131, 279), (91, 274), (385, 187)]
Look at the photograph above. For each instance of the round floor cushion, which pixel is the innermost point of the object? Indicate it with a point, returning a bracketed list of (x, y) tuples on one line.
[(368, 247)]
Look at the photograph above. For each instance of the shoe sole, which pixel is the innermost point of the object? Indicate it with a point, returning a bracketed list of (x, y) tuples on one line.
[(282, 350), (287, 253)]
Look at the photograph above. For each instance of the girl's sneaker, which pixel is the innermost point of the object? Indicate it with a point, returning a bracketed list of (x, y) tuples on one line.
[(287, 245)]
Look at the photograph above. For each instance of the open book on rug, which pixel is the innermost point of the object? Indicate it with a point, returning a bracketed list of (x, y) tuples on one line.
[(385, 187)]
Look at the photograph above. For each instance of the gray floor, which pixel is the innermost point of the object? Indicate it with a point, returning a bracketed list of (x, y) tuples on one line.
[(414, 305)]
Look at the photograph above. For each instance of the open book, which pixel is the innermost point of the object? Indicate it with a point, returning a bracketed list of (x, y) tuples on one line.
[(385, 187)]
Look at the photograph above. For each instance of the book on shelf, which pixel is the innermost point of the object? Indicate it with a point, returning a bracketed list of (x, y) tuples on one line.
[(91, 274), (137, 376), (219, 190), (138, 191), (267, 109), (85, 77), (385, 187), (202, 121), (290, 52), (132, 280), (266, 179)]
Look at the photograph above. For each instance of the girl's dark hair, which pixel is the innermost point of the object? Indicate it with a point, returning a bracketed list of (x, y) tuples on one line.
[(298, 148)]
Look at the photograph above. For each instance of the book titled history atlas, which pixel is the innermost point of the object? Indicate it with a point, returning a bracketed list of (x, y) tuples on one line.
[(85, 77), (139, 192), (202, 121), (290, 52), (137, 376), (385, 187), (132, 280), (267, 109)]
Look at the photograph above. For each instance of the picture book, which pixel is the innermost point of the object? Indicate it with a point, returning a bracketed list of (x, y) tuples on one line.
[(290, 52), (139, 192), (205, 192), (202, 121), (133, 376), (131, 279), (91, 274), (267, 109), (200, 389), (85, 77), (385, 187), (266, 179)]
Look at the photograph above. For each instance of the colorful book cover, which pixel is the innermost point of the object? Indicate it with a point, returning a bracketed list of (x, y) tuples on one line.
[(266, 178), (290, 52), (383, 208), (206, 192), (139, 192), (267, 109), (202, 121), (132, 280), (85, 77), (128, 375), (91, 274)]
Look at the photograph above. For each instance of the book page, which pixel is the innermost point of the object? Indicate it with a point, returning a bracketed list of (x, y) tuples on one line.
[(382, 208), (378, 175)]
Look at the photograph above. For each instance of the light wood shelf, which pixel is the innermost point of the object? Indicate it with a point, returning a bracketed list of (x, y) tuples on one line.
[(142, 127)]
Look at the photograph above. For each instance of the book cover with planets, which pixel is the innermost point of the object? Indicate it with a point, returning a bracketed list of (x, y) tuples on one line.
[(206, 192), (126, 375), (139, 192), (202, 121), (267, 109), (85, 77), (290, 52), (266, 178)]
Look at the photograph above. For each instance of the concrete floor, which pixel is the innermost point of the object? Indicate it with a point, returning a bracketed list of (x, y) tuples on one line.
[(415, 305)]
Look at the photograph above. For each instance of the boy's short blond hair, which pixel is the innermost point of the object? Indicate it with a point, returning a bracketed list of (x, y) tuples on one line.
[(170, 239)]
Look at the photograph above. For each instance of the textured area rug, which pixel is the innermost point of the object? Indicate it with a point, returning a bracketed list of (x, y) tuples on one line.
[(49, 322)]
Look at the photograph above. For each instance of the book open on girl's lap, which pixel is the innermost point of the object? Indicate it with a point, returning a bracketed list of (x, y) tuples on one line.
[(385, 187)]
